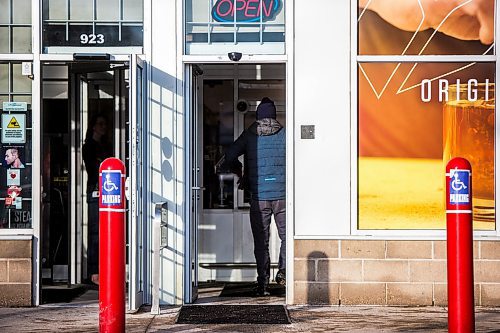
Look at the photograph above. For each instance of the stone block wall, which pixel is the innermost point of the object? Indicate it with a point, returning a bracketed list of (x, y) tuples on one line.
[(15, 272), (387, 272)]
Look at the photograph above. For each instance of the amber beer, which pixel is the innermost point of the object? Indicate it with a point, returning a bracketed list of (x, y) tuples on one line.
[(469, 132)]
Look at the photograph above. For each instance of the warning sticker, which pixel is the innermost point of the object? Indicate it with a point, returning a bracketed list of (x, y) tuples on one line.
[(13, 128), (13, 123)]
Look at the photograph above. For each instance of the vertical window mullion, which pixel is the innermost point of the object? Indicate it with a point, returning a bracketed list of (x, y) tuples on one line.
[(261, 28), (68, 18), (234, 22), (11, 27), (94, 15), (10, 87), (120, 23), (209, 26)]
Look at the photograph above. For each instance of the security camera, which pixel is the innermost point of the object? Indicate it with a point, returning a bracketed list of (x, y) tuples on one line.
[(242, 105), (234, 56)]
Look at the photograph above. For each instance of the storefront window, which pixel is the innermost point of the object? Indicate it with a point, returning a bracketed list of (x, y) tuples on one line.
[(15, 147), (15, 26), (218, 26), (414, 116), (92, 23)]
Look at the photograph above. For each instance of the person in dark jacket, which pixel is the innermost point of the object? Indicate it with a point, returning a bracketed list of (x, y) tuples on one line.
[(264, 146), (95, 150)]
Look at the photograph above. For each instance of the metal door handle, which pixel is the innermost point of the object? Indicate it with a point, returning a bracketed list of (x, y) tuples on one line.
[(198, 188)]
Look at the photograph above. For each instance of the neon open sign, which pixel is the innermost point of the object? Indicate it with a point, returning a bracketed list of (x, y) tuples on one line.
[(246, 10)]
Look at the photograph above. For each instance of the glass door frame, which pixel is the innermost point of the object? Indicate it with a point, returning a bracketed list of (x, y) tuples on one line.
[(194, 178), (138, 185)]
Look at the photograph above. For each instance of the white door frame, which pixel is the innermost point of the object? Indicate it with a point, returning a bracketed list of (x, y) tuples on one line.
[(193, 186), (138, 229), (290, 123)]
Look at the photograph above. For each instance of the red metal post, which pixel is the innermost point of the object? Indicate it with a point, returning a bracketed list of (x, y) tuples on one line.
[(112, 246), (459, 246)]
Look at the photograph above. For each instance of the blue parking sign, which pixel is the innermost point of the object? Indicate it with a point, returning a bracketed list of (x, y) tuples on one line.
[(111, 188), (459, 187)]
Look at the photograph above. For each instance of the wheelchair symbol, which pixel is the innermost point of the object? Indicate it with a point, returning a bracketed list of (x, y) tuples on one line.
[(108, 185), (456, 183)]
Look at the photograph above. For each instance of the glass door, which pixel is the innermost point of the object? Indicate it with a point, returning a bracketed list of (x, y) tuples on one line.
[(137, 182), (196, 183)]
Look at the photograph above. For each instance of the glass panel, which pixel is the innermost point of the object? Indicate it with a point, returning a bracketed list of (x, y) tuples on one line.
[(58, 9), (5, 12), (211, 22), (21, 11), (55, 72), (133, 10), (21, 39), (4, 78), (411, 122), (84, 32), (458, 29), (218, 127), (21, 83), (108, 10), (81, 10), (23, 98), (3, 98), (4, 40)]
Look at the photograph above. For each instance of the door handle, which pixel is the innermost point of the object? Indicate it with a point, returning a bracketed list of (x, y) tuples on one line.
[(198, 188)]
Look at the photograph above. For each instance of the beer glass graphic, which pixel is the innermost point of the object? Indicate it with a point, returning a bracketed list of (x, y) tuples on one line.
[(469, 132)]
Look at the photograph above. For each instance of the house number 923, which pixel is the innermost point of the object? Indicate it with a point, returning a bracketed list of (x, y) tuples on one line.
[(91, 39)]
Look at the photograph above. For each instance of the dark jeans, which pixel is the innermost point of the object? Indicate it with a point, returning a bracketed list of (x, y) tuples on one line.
[(260, 220), (93, 237)]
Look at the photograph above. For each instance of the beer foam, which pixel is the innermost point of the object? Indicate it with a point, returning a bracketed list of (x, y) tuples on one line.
[(480, 103)]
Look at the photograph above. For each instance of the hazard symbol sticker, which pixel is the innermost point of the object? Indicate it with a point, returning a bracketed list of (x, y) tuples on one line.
[(13, 128)]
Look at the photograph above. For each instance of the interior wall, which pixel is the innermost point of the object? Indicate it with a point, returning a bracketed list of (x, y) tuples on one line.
[(322, 99)]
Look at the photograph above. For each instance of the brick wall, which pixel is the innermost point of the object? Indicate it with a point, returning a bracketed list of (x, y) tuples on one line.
[(15, 272), (380, 272)]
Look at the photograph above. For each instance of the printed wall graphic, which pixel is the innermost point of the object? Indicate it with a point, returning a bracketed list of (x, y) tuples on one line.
[(13, 128), (414, 117)]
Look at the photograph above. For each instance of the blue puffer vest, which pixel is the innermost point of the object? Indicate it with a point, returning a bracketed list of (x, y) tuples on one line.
[(264, 146)]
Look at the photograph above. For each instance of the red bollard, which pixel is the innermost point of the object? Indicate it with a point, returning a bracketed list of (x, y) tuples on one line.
[(459, 246), (112, 246)]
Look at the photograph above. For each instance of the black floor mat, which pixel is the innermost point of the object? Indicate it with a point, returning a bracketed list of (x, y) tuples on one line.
[(247, 290), (62, 293), (233, 314)]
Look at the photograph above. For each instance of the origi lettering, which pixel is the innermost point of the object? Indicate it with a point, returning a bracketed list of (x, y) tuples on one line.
[(443, 93)]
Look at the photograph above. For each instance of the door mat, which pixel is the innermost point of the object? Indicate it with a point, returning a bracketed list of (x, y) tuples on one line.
[(233, 314), (247, 290), (62, 293)]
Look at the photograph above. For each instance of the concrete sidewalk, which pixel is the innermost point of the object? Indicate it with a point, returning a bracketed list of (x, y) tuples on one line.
[(83, 317)]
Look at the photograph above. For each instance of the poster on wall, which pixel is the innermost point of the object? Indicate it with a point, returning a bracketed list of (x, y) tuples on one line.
[(415, 116)]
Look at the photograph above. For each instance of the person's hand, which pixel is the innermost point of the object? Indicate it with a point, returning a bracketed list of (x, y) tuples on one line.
[(463, 19)]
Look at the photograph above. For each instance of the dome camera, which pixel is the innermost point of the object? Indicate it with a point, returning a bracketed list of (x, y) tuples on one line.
[(234, 56), (242, 105)]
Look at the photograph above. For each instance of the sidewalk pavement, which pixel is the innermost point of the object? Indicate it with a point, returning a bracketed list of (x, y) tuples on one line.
[(84, 318), (82, 315)]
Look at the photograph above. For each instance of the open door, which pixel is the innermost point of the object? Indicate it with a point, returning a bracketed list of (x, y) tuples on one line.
[(196, 186), (137, 181)]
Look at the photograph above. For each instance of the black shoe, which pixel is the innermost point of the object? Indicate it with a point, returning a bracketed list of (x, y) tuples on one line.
[(281, 277), (261, 291)]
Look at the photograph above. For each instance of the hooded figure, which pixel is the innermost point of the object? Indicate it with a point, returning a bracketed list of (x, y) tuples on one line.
[(264, 147)]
